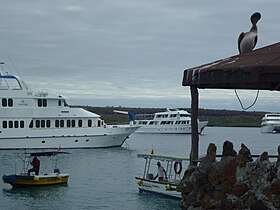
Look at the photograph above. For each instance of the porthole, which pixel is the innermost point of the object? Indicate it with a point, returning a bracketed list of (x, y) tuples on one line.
[(76, 140), (43, 142), (87, 140)]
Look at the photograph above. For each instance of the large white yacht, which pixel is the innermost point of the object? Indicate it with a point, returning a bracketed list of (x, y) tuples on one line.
[(41, 119), (271, 123), (171, 121)]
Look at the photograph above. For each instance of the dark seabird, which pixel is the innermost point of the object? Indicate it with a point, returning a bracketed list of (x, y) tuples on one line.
[(248, 40)]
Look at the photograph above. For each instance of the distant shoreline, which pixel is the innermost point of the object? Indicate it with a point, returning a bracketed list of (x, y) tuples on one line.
[(216, 118)]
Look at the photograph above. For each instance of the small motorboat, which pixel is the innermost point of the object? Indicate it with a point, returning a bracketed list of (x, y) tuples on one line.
[(168, 186), (29, 179)]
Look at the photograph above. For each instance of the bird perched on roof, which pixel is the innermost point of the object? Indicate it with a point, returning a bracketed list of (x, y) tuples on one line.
[(248, 40)]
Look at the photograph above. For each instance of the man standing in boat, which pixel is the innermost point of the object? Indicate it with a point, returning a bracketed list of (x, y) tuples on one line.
[(36, 166), (161, 173)]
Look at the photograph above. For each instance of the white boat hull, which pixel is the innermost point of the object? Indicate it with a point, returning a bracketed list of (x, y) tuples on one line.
[(270, 128), (163, 188), (113, 136), (168, 129)]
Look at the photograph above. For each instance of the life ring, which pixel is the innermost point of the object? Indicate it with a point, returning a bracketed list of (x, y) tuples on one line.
[(178, 167)]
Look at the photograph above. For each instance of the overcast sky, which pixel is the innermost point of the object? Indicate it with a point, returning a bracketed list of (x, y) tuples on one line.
[(131, 52)]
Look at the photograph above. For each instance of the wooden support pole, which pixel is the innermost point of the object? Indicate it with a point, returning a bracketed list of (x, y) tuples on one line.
[(194, 124)]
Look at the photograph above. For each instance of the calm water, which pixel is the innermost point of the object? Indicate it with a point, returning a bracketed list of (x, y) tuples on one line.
[(104, 178)]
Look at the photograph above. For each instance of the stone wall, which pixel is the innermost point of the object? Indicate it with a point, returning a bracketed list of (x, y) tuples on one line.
[(236, 181)]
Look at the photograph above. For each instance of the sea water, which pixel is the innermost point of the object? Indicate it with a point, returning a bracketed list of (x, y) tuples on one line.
[(105, 178)]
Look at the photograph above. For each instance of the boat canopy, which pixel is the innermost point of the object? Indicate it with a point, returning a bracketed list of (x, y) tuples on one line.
[(161, 157), (48, 153)]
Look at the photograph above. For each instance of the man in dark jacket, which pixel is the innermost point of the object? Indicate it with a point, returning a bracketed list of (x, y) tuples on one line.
[(36, 166)]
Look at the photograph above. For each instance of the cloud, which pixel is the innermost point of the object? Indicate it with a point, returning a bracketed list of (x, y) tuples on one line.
[(126, 49)]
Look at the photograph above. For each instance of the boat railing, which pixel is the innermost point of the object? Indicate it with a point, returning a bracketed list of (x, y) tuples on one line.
[(9, 82), (144, 116)]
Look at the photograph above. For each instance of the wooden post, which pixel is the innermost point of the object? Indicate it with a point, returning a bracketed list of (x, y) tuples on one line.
[(194, 114)]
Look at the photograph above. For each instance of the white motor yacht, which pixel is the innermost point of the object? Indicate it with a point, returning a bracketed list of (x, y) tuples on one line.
[(271, 123), (171, 121), (41, 119)]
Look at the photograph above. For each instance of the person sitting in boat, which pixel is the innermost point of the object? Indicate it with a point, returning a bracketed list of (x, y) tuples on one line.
[(36, 166), (161, 173)]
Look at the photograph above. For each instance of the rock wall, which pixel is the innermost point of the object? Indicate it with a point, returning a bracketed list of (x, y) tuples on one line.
[(234, 182)]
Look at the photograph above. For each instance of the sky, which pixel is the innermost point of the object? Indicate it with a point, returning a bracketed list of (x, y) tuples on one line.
[(131, 53)]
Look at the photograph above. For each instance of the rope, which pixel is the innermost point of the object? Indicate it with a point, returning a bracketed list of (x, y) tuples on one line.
[(241, 101)]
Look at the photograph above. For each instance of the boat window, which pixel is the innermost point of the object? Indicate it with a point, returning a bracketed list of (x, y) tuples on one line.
[(11, 124), (4, 124), (80, 123), (183, 122), (59, 102), (39, 102), (21, 124), (98, 123), (163, 123), (158, 116), (89, 123), (56, 123), (151, 123), (43, 123), (184, 115), (144, 123), (188, 122), (48, 123), (31, 124), (16, 124), (65, 103), (73, 123), (68, 123), (44, 102), (10, 102), (37, 123), (273, 115), (4, 102), (61, 123)]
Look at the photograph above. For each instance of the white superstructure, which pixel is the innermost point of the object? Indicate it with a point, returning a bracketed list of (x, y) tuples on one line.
[(171, 121), (40, 119), (271, 123)]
